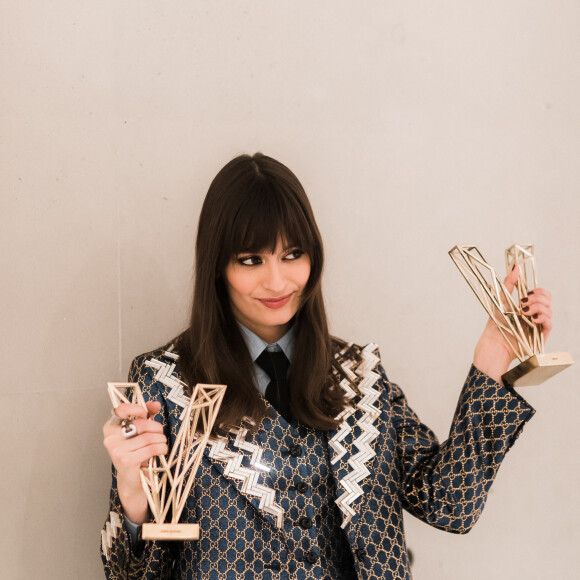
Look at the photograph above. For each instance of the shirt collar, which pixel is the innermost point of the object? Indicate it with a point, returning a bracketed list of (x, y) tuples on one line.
[(256, 345)]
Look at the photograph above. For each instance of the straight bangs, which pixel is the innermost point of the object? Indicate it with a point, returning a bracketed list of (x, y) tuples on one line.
[(266, 212), (251, 204)]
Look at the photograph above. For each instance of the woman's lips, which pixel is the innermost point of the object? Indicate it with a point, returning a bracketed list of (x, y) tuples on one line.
[(275, 303)]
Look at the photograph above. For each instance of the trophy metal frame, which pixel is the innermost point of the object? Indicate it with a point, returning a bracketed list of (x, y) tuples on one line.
[(521, 333), (167, 481)]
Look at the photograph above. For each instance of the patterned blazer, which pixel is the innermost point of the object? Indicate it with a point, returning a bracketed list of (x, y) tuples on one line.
[(288, 501)]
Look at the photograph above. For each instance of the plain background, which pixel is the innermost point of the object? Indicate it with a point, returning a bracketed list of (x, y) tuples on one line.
[(414, 126)]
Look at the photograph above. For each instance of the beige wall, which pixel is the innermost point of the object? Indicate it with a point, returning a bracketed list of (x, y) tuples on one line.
[(413, 125)]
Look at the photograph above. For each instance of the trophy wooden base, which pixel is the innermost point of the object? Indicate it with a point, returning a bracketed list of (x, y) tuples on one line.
[(537, 369), (170, 532)]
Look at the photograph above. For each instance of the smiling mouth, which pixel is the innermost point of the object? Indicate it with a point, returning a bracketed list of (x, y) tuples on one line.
[(275, 303)]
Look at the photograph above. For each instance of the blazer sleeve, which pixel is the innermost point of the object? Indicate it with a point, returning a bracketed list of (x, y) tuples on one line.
[(145, 559), (446, 484)]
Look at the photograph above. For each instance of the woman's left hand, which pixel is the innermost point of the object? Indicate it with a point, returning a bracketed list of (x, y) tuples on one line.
[(492, 353)]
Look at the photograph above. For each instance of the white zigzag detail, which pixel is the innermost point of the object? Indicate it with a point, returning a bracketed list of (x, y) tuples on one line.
[(169, 353), (248, 476), (165, 376), (350, 482), (344, 428), (217, 447), (347, 368), (110, 532)]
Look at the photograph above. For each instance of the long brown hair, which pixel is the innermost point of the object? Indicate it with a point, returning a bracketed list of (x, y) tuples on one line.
[(251, 203)]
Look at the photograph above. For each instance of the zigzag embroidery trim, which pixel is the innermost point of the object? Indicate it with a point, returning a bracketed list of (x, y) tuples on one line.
[(217, 447), (344, 428), (164, 374), (363, 443), (110, 532), (248, 476)]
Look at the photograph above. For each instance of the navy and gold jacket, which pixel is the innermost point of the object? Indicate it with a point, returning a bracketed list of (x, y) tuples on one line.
[(288, 501)]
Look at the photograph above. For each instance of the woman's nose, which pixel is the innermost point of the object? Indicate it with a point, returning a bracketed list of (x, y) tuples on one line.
[(274, 278)]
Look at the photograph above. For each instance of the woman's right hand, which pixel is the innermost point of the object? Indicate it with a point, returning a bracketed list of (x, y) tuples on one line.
[(129, 454)]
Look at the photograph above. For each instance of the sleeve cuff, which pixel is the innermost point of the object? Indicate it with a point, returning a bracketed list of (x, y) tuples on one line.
[(134, 532)]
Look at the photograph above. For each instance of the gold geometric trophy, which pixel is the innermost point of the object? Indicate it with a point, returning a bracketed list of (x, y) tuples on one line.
[(167, 481), (522, 334)]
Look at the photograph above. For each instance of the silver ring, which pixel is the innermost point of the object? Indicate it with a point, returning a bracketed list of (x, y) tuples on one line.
[(128, 430)]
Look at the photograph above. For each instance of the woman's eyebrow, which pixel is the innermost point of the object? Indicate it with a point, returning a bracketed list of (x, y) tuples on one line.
[(292, 246)]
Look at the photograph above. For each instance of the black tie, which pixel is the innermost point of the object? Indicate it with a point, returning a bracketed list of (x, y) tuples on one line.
[(277, 392)]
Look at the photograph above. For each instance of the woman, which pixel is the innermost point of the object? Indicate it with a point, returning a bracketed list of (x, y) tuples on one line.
[(343, 452)]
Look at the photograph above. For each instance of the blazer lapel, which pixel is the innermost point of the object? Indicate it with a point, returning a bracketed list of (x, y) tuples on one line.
[(238, 458), (352, 442)]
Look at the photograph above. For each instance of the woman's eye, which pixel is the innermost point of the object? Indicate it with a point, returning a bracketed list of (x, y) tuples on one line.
[(294, 255), (249, 260)]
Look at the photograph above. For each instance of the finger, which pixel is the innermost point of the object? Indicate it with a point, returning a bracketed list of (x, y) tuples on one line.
[(153, 407), (146, 453), (132, 450), (148, 426), (511, 279), (121, 449), (542, 319), (540, 291), (540, 301), (540, 295), (534, 310), (126, 410), (142, 426), (134, 459), (135, 443)]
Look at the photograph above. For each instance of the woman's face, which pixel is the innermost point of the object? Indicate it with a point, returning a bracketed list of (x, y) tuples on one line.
[(265, 289)]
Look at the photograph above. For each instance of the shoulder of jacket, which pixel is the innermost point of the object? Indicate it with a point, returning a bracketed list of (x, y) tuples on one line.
[(357, 364), (165, 352), (350, 353), (359, 373), (160, 364)]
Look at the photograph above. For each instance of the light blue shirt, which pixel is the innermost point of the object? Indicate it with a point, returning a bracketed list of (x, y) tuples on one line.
[(256, 346)]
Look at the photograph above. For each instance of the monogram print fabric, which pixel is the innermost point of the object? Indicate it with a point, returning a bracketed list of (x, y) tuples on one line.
[(290, 502)]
